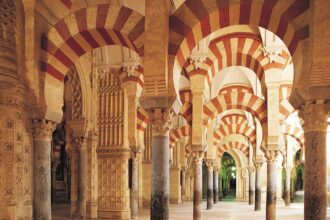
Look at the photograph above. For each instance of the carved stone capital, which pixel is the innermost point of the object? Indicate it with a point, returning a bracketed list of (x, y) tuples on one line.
[(197, 156), (271, 155), (43, 129), (160, 120), (209, 163), (130, 66), (135, 156), (315, 116), (81, 142), (251, 170), (197, 59), (273, 53), (258, 164)]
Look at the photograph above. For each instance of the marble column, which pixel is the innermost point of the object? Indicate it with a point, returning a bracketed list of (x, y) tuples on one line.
[(160, 158), (209, 164), (251, 185), (287, 194), (292, 187), (53, 176), (42, 133), (135, 186), (198, 181), (220, 189), (216, 185), (183, 184), (82, 177), (271, 156), (257, 204), (315, 129)]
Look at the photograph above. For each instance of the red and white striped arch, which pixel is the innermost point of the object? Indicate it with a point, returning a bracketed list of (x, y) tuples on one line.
[(233, 119), (177, 133), (235, 88), (243, 129), (296, 133), (244, 101), (233, 145), (285, 106), (142, 119), (196, 19), (79, 33), (87, 29), (67, 3), (239, 49), (186, 108)]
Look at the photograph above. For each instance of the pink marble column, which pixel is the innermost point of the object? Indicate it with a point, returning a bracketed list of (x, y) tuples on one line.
[(315, 128), (287, 185), (198, 181), (251, 185), (216, 185), (209, 164), (271, 156), (257, 205)]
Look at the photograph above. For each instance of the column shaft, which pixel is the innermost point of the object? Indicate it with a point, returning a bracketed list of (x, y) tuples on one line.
[(287, 185), (271, 190), (257, 205), (135, 187), (160, 178), (42, 132), (216, 186), (183, 185), (315, 128), (251, 187), (210, 187), (198, 180), (82, 181)]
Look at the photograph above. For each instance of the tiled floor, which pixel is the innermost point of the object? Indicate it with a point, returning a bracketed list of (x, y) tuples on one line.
[(222, 210)]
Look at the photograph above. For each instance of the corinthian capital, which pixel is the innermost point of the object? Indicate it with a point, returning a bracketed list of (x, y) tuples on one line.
[(271, 155), (161, 120), (43, 129)]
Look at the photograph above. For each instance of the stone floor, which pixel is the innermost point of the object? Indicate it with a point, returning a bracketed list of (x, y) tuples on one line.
[(222, 210)]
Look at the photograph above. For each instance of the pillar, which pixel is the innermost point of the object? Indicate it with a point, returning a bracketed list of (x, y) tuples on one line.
[(82, 177), (315, 128), (271, 156), (135, 186), (216, 185), (251, 185), (160, 119), (257, 205), (292, 187), (287, 195), (209, 164), (42, 133), (53, 179), (183, 184), (198, 181), (220, 188)]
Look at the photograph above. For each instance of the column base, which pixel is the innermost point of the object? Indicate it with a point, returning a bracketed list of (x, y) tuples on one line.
[(113, 214), (91, 210)]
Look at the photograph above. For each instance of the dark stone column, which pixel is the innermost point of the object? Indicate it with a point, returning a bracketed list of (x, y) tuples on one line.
[(183, 184), (287, 194), (160, 178), (209, 164), (160, 166), (198, 181), (251, 185), (135, 186), (42, 133), (271, 185), (216, 185), (257, 205), (315, 128)]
